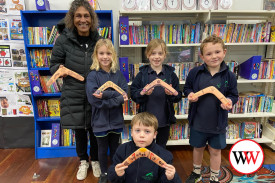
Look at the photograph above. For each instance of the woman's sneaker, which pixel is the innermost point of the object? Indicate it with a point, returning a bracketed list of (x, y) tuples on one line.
[(193, 178), (103, 178), (82, 170), (96, 168)]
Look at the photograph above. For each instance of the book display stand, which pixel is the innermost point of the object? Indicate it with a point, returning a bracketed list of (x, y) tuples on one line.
[(46, 20)]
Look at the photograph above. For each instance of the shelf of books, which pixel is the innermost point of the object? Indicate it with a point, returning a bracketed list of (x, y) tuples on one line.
[(40, 34), (188, 29)]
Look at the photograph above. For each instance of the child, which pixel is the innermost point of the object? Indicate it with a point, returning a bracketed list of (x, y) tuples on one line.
[(207, 115), (144, 130), (158, 100), (107, 114)]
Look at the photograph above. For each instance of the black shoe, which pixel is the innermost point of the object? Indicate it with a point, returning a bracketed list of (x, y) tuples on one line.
[(212, 181), (193, 178), (103, 178)]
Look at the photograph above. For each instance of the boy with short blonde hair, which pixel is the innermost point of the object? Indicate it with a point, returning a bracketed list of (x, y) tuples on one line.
[(144, 131)]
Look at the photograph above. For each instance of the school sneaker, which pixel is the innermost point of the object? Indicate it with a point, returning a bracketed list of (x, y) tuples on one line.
[(103, 178), (193, 178), (82, 170), (96, 168)]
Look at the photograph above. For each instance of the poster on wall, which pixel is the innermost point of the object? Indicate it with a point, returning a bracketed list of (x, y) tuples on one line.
[(4, 33), (5, 56), (8, 105), (6, 81), (16, 30), (15, 6), (24, 105), (18, 56), (3, 7), (21, 80)]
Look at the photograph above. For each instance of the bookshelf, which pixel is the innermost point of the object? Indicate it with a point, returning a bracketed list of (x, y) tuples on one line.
[(48, 19), (266, 49)]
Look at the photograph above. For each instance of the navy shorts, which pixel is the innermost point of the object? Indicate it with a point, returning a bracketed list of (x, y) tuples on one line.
[(199, 139)]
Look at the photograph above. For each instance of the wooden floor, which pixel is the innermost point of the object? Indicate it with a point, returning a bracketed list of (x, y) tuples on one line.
[(19, 165)]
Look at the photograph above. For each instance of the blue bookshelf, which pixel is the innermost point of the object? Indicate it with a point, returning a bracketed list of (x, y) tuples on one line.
[(49, 19)]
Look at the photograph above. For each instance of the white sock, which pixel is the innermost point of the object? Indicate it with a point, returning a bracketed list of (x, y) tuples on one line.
[(214, 174), (197, 169)]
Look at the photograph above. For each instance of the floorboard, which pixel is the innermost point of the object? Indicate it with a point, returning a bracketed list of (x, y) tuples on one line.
[(19, 165)]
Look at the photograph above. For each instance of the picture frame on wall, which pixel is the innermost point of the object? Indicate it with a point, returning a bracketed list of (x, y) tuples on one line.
[(269, 5)]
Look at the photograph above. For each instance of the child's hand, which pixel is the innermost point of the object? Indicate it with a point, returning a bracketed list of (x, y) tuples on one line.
[(167, 92), (192, 98), (125, 97), (169, 171), (120, 169), (149, 92), (98, 95), (227, 107)]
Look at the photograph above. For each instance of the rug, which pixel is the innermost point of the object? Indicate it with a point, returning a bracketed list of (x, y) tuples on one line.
[(228, 174)]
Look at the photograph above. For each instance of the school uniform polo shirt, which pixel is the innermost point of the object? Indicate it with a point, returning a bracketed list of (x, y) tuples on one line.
[(206, 118), (156, 103)]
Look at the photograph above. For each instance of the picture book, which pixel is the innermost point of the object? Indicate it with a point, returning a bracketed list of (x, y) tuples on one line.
[(45, 140), (248, 130), (54, 107)]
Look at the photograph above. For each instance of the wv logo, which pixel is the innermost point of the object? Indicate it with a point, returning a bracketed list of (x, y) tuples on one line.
[(244, 156)]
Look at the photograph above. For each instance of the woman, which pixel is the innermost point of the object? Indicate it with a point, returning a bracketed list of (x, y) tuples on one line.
[(73, 49)]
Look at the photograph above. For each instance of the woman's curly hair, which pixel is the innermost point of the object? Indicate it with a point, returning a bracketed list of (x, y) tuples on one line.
[(69, 18)]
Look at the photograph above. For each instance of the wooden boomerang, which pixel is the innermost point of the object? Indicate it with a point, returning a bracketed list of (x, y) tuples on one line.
[(143, 152), (214, 91), (159, 82), (64, 71), (109, 84)]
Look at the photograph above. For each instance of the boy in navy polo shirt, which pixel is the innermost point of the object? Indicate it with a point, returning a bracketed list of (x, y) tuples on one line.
[(207, 115)]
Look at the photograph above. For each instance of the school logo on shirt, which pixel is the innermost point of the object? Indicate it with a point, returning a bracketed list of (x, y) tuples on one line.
[(148, 176), (225, 84)]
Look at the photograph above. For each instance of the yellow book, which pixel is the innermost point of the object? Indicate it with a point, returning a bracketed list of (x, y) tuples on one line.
[(54, 107)]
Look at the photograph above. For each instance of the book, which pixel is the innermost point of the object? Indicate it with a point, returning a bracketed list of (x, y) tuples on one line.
[(248, 130), (124, 67), (35, 82), (124, 30), (54, 107), (45, 140), (250, 68), (55, 140)]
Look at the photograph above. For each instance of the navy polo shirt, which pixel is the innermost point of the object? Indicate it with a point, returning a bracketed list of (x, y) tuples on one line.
[(206, 118), (156, 103)]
